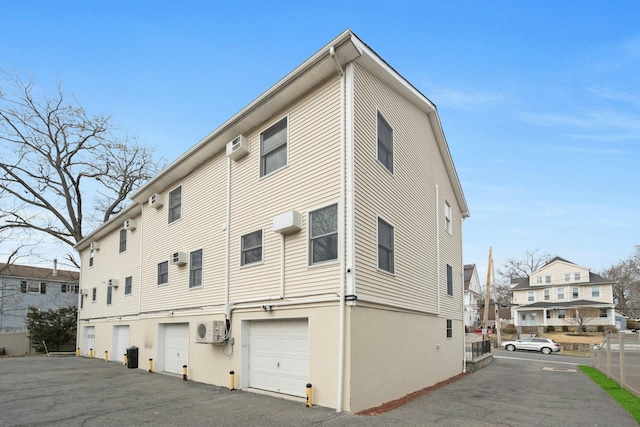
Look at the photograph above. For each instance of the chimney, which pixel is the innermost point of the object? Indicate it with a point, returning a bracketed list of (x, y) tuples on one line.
[(55, 266)]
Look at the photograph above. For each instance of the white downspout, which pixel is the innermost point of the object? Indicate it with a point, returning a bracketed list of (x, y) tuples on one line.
[(227, 236), (141, 231), (438, 244), (341, 322), (282, 266), (464, 329)]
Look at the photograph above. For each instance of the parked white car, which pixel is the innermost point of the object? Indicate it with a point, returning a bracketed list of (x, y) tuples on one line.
[(543, 345)]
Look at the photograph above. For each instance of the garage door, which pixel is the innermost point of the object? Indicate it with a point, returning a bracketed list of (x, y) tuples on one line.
[(279, 355), (176, 347), (120, 342), (88, 340)]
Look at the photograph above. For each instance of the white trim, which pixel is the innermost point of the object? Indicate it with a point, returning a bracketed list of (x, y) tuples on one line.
[(350, 181), (240, 250)]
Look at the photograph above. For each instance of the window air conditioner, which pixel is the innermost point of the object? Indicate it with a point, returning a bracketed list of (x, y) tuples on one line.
[(156, 200), (210, 332), (113, 283), (238, 148), (85, 292), (179, 258), (130, 224), (94, 246)]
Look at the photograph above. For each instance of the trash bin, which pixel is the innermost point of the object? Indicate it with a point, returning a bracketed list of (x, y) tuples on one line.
[(132, 357)]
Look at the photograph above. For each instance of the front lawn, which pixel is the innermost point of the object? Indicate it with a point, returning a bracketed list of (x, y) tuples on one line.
[(624, 397)]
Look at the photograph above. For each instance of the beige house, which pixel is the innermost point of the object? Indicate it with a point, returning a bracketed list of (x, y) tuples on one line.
[(551, 295), (313, 238), (473, 297)]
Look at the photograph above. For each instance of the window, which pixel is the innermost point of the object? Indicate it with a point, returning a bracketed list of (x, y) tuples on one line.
[(251, 248), (595, 292), (575, 293), (81, 301), (530, 296), (385, 246), (33, 287), (91, 258), (195, 269), (76, 289), (576, 276), (63, 289), (128, 284), (604, 312), (567, 277), (385, 143), (273, 148), (447, 218), (175, 204), (23, 287), (561, 314), (123, 240), (449, 328), (560, 293), (547, 279), (323, 238), (539, 280), (449, 280), (547, 295), (163, 273), (109, 294), (94, 294), (548, 315)]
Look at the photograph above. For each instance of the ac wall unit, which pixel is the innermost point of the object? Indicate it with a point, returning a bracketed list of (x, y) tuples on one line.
[(113, 283), (85, 292), (210, 332), (156, 200), (179, 258), (130, 224), (94, 246), (238, 148)]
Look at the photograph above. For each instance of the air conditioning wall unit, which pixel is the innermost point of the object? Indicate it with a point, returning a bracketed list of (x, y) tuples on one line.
[(113, 283), (130, 224), (179, 258), (85, 292), (156, 200), (238, 148), (210, 332), (94, 246)]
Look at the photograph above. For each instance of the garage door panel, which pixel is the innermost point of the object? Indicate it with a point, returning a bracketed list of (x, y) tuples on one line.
[(120, 341), (278, 355), (176, 347)]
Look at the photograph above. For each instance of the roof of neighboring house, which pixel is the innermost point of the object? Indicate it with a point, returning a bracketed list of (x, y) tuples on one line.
[(39, 273), (594, 279), (568, 304), (503, 312), (468, 272)]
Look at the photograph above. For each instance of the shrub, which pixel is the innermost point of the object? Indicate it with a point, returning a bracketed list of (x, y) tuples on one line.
[(509, 329), (550, 328), (600, 328), (565, 329)]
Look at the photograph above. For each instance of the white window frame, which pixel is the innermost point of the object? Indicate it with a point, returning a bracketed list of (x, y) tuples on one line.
[(595, 292), (391, 250), (577, 276), (560, 294), (567, 277), (193, 268), (159, 275), (575, 292), (539, 280), (449, 329), (547, 295), (91, 255), (449, 280), (128, 287), (172, 216), (448, 217), (109, 295), (122, 242), (94, 294), (243, 263), (531, 296), (264, 155), (313, 239), (547, 279), (390, 156)]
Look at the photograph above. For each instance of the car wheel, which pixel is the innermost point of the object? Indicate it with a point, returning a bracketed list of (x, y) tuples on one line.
[(545, 350), (511, 347)]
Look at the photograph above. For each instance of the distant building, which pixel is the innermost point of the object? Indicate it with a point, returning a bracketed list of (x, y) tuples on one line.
[(23, 286), (472, 297)]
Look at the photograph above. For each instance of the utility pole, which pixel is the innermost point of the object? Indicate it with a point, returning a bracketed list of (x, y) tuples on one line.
[(498, 324), (485, 318)]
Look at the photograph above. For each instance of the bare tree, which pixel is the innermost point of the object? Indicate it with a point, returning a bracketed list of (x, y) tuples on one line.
[(580, 316), (626, 289), (520, 268), (62, 170)]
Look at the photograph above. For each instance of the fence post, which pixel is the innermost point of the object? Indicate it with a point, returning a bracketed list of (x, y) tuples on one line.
[(608, 339), (621, 347)]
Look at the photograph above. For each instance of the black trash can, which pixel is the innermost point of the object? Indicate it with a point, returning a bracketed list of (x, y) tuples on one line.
[(132, 357)]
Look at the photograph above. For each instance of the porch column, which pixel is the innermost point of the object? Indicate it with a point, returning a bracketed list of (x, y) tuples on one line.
[(544, 317)]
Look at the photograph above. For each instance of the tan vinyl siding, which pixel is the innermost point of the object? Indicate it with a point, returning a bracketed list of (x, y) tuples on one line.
[(406, 199), (311, 179)]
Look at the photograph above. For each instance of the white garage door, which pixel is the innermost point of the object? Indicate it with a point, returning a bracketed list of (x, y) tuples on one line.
[(176, 347), (89, 340), (120, 342), (279, 355)]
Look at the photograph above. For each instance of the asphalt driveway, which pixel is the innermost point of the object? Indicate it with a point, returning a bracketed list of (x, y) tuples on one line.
[(74, 391)]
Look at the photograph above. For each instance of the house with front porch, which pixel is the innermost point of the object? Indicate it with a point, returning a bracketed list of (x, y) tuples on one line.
[(551, 295)]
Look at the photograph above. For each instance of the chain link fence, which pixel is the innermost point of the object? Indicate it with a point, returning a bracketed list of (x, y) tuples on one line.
[(618, 356)]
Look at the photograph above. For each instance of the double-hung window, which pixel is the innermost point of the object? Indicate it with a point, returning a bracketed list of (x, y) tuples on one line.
[(449, 280), (251, 248), (560, 293), (449, 328), (575, 293), (195, 269), (94, 294), (385, 143), (323, 239), (547, 295), (175, 204), (123, 240), (91, 253), (595, 292), (128, 284), (385, 246), (109, 294), (448, 223), (530, 296), (163, 273), (273, 148)]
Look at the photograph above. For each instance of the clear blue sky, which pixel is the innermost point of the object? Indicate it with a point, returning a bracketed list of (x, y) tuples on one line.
[(540, 101)]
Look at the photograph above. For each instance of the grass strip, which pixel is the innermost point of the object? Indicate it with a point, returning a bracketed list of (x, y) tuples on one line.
[(624, 397)]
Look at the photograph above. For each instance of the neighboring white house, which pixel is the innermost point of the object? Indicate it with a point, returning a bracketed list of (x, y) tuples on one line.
[(312, 238), (546, 296), (23, 286), (472, 297)]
